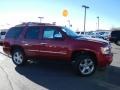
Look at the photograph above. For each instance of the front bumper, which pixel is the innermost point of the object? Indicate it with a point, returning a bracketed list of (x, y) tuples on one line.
[(105, 60)]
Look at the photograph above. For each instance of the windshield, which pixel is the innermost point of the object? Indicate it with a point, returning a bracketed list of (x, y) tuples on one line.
[(69, 32)]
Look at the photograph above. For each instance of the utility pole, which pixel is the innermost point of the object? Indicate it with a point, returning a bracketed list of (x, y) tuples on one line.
[(98, 22), (86, 7), (41, 19)]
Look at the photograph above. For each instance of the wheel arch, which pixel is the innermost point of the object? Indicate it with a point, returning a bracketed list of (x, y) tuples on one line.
[(90, 53), (13, 47)]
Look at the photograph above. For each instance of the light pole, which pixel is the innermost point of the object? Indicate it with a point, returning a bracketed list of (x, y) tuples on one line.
[(86, 7), (41, 19), (70, 25), (98, 22)]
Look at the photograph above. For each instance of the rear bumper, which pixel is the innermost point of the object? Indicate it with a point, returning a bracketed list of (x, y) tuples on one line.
[(1, 42), (6, 50)]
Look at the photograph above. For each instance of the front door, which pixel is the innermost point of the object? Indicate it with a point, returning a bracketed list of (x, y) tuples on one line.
[(53, 44)]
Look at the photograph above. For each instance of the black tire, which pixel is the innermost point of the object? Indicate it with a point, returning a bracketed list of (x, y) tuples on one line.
[(18, 57), (84, 61)]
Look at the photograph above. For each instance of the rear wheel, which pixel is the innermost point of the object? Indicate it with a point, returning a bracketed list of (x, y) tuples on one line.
[(18, 57), (84, 64)]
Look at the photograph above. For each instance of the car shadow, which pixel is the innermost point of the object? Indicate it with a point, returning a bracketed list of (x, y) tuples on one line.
[(60, 76)]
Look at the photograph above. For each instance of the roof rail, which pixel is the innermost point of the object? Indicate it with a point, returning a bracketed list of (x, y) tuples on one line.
[(32, 24)]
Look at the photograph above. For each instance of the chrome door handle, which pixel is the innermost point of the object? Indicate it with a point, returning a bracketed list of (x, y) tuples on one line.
[(43, 43), (24, 42)]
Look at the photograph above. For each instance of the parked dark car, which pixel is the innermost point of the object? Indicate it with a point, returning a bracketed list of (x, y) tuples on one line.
[(46, 41), (2, 36), (115, 37)]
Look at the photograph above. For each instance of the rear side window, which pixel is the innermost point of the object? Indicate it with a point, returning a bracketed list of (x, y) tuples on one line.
[(14, 32), (32, 33)]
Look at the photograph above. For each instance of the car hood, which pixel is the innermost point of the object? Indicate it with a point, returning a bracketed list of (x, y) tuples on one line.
[(98, 39), (94, 40)]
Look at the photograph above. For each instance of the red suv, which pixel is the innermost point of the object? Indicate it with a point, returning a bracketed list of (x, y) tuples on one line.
[(46, 41)]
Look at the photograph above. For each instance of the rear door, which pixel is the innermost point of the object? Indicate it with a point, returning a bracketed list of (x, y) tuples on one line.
[(31, 41)]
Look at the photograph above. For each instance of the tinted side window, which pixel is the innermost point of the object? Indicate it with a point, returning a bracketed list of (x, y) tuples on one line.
[(51, 33), (14, 32), (32, 33), (48, 33)]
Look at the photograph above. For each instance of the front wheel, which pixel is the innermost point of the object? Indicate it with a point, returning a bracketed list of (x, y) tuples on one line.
[(18, 57), (84, 64)]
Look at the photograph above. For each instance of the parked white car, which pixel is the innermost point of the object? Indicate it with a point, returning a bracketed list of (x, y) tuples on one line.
[(104, 35)]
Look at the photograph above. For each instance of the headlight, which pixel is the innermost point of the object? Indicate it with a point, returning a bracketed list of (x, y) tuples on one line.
[(105, 50)]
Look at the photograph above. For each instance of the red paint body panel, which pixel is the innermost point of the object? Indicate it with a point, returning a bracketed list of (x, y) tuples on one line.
[(57, 49)]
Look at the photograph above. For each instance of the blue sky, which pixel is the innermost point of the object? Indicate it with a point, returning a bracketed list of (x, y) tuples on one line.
[(16, 11)]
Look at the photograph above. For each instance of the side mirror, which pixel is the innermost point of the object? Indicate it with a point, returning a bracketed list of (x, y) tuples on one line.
[(58, 36)]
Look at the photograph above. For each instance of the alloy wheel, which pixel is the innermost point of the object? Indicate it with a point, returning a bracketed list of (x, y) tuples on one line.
[(18, 58), (86, 66)]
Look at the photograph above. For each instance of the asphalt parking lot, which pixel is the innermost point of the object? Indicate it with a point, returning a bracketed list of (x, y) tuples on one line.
[(57, 76)]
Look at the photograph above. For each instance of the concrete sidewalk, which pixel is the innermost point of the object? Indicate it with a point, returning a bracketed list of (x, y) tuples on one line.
[(1, 49), (5, 83)]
